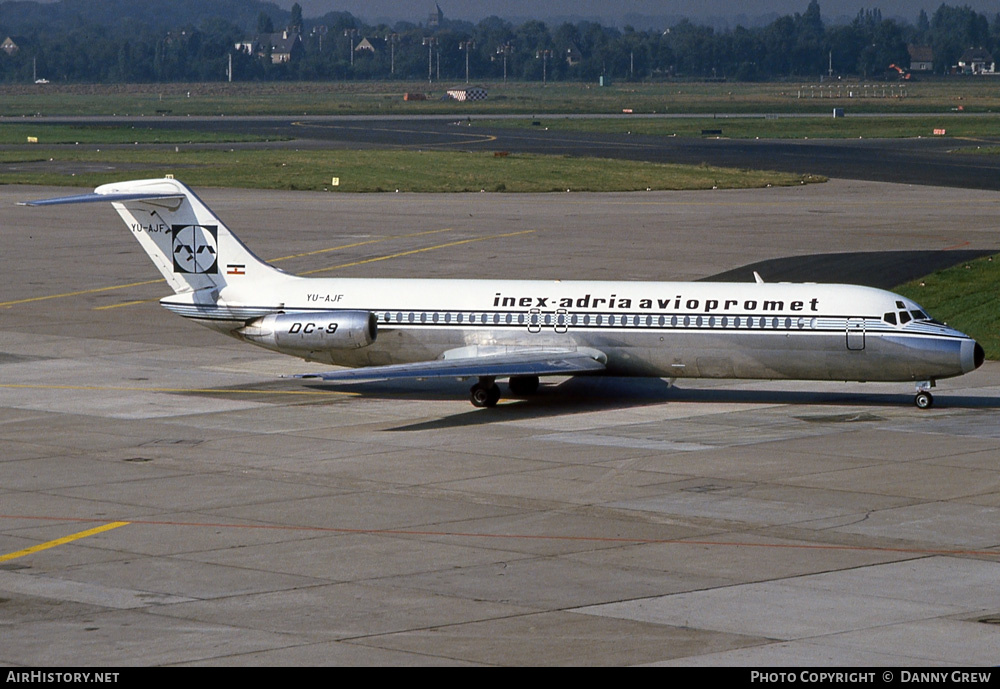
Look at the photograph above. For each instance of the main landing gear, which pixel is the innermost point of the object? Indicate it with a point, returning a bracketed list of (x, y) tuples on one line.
[(924, 399), (486, 393)]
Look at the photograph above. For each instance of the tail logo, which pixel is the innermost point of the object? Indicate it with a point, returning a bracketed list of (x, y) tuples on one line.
[(196, 248)]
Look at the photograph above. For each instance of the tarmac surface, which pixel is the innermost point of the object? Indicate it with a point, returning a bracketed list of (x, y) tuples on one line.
[(168, 499)]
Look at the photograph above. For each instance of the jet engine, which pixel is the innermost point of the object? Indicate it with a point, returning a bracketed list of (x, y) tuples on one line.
[(312, 330)]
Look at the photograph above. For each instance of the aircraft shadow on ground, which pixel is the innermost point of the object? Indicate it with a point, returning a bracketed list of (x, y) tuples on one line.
[(582, 395)]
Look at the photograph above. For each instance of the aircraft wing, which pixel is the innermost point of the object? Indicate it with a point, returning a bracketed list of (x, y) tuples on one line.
[(499, 365)]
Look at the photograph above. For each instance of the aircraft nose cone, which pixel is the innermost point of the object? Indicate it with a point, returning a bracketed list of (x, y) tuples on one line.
[(973, 355)]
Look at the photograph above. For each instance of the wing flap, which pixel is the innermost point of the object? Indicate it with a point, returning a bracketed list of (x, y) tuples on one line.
[(547, 363)]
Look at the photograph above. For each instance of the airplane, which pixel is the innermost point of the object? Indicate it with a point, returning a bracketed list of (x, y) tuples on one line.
[(521, 330)]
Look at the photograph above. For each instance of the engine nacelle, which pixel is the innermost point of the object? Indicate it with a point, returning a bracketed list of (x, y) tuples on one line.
[(313, 330)]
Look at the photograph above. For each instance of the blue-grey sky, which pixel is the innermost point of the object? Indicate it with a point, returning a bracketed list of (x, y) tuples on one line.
[(619, 13)]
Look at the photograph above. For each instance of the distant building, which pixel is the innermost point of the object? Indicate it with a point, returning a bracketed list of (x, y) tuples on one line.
[(365, 44), (283, 46), (976, 61), (436, 19), (573, 55), (921, 58), (9, 46)]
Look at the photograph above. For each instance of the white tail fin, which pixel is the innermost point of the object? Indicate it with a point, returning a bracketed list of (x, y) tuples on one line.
[(192, 248)]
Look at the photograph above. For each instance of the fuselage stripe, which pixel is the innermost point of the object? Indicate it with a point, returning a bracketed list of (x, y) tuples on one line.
[(604, 321)]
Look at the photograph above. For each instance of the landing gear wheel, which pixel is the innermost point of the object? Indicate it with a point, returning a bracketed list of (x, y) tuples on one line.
[(924, 400), (485, 395), (523, 386)]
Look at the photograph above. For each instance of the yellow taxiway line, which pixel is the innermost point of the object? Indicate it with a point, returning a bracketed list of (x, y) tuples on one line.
[(62, 541), (95, 290), (417, 251), (374, 259)]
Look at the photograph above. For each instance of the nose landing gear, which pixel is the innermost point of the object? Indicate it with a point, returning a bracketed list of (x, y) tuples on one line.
[(924, 399)]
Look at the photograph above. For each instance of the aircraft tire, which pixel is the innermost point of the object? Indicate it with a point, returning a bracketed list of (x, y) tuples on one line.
[(485, 395), (924, 400)]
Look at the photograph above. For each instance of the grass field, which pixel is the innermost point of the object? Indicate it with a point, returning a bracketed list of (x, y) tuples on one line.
[(19, 133), (772, 127), (379, 171), (964, 296), (972, 95)]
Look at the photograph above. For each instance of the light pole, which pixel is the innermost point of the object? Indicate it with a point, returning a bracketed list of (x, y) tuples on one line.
[(467, 46), (430, 42), (545, 55), (351, 33), (505, 50), (392, 39), (320, 31)]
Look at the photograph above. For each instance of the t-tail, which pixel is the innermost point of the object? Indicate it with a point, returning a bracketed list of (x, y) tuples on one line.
[(190, 246)]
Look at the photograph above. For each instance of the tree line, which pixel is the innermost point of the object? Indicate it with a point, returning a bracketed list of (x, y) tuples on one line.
[(65, 42)]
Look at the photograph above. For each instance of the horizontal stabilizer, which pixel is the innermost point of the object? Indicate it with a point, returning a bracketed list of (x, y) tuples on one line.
[(495, 365), (190, 246), (95, 198)]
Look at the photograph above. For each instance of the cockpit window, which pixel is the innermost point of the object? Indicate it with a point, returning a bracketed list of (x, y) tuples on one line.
[(889, 318), (919, 315), (904, 318)]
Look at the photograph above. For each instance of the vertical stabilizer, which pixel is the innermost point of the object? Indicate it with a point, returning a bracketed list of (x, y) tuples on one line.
[(192, 248)]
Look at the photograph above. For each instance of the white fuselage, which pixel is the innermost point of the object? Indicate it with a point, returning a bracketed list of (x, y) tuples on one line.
[(669, 329)]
